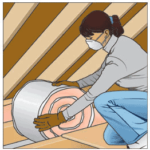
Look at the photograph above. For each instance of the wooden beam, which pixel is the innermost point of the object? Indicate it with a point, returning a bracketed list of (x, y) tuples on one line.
[(93, 136), (7, 102), (78, 47), (15, 19), (57, 142), (141, 22), (88, 67), (10, 135), (137, 23), (41, 46), (6, 8), (131, 13), (119, 9), (77, 65), (141, 39)]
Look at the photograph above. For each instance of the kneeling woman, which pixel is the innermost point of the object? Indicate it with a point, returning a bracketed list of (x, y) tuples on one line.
[(125, 65)]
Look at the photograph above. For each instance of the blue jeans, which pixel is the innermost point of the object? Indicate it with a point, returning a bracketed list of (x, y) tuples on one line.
[(126, 114)]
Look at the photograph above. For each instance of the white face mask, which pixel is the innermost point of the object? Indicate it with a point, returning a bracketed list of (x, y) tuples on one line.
[(95, 45)]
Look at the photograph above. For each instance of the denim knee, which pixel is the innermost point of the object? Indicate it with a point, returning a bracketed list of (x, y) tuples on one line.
[(99, 100), (107, 138), (102, 100), (112, 138)]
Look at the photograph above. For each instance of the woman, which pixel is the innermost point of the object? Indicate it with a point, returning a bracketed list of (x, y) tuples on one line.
[(125, 65)]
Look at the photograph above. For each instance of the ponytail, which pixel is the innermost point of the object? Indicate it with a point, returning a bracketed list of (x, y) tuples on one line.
[(117, 29)]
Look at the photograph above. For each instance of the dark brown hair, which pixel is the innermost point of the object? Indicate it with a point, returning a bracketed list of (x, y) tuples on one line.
[(98, 21)]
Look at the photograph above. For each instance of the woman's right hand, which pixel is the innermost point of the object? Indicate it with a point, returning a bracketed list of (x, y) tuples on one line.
[(69, 83)]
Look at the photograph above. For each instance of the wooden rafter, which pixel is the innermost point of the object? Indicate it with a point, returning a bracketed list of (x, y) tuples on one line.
[(15, 19)]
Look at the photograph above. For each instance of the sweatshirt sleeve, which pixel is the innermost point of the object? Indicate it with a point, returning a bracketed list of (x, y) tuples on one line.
[(115, 69), (91, 79)]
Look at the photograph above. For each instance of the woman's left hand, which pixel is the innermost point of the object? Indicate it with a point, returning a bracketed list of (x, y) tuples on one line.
[(47, 121)]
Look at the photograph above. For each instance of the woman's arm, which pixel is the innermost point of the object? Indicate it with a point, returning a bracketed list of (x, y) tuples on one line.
[(115, 69), (91, 79)]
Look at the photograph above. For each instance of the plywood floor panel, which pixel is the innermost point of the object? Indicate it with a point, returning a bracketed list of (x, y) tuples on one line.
[(92, 136)]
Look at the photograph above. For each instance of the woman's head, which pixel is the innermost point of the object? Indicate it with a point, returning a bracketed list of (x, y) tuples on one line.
[(98, 21)]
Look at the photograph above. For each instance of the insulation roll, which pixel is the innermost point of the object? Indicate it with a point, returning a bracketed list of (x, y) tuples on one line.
[(60, 101), (39, 97)]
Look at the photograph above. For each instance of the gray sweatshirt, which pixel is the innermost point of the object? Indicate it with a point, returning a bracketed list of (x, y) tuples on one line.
[(125, 65)]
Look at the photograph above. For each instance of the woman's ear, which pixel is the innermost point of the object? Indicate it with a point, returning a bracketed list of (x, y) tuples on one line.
[(106, 31)]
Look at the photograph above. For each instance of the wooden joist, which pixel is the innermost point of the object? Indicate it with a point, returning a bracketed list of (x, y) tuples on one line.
[(139, 21), (15, 19), (93, 136), (42, 45), (10, 135), (58, 142), (7, 102)]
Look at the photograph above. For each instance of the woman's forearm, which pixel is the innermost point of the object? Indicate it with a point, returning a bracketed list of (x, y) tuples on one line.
[(91, 79), (76, 107)]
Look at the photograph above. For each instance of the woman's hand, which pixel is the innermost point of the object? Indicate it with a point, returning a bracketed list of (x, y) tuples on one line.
[(69, 83), (47, 121)]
